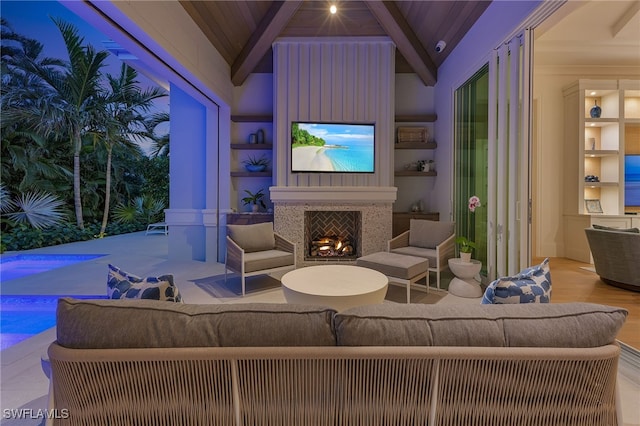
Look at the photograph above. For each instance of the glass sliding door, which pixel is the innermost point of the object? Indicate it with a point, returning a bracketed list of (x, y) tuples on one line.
[(471, 159)]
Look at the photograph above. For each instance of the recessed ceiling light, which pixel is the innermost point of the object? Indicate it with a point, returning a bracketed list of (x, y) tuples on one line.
[(333, 9), (593, 93)]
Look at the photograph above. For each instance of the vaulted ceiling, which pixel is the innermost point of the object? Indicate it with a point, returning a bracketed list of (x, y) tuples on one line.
[(243, 31)]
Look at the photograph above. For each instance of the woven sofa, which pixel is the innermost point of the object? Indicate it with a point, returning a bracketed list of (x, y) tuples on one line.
[(123, 362), (615, 255)]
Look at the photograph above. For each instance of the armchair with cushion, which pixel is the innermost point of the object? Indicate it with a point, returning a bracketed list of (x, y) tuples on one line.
[(257, 250), (433, 240)]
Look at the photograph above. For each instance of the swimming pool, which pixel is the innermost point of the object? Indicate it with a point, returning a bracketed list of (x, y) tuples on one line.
[(22, 317), (22, 265)]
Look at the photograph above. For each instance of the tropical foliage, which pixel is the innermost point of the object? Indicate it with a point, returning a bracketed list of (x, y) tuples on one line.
[(301, 137), (70, 140)]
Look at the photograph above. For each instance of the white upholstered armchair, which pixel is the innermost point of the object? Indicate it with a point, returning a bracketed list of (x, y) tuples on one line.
[(427, 238), (257, 250)]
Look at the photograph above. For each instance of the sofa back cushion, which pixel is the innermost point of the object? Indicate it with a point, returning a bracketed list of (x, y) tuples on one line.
[(580, 325), (112, 324), (429, 233), (255, 237)]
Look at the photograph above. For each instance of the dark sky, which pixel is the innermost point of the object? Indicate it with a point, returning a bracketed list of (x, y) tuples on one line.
[(33, 19)]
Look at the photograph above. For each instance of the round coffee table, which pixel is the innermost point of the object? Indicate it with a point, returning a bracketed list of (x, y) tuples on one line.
[(337, 286), (464, 284)]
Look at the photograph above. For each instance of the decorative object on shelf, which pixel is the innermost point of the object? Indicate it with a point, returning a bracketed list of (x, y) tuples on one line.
[(465, 245), (420, 205), (591, 178), (412, 134), (425, 165), (254, 199), (415, 208), (253, 138), (253, 164), (260, 136), (592, 144), (593, 206), (595, 111)]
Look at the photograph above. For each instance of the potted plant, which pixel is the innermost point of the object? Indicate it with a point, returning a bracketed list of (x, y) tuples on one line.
[(254, 164), (254, 199), (465, 245)]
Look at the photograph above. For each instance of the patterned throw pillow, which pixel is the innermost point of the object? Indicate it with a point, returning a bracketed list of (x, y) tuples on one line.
[(122, 285), (532, 285)]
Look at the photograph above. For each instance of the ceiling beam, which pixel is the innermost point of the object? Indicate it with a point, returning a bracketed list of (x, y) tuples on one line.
[(396, 26), (260, 41)]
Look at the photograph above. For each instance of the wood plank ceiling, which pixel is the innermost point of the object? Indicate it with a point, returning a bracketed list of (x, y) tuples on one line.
[(243, 31)]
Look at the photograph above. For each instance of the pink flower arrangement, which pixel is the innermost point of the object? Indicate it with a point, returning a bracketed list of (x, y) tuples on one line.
[(465, 244), (474, 203)]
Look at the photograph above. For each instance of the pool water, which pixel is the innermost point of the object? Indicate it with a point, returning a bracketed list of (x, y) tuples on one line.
[(22, 265), (22, 317)]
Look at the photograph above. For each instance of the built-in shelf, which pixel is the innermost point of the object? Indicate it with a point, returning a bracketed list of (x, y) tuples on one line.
[(401, 173), (600, 184), (251, 118), (415, 145), (594, 153), (252, 146), (416, 118), (251, 174)]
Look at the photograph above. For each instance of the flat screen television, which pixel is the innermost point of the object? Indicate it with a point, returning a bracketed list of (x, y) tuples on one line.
[(318, 147), (632, 180)]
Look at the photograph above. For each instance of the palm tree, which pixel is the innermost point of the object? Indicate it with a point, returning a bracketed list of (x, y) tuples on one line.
[(160, 146), (74, 100), (28, 160), (124, 120)]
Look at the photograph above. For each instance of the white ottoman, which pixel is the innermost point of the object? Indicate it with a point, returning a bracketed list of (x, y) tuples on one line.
[(399, 268)]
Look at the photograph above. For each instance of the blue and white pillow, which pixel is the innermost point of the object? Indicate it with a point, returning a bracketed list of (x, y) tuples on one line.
[(122, 285), (532, 285)]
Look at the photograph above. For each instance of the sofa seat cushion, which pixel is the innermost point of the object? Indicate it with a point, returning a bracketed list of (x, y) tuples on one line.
[(418, 252), (580, 325), (112, 324), (268, 259), (394, 265), (531, 285)]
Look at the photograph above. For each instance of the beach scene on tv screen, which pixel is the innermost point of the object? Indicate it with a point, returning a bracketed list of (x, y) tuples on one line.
[(632, 180), (332, 147)]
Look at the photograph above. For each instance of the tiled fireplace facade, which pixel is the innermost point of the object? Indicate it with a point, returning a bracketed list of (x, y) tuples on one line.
[(374, 210)]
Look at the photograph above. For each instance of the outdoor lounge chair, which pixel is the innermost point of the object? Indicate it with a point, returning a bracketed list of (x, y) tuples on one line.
[(257, 250)]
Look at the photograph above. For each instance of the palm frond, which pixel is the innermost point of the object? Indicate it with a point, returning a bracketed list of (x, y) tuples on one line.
[(39, 209)]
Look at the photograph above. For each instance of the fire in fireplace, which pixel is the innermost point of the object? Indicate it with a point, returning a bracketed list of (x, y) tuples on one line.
[(331, 234), (331, 247)]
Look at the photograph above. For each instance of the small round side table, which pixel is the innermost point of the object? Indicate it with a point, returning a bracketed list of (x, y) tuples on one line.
[(464, 284)]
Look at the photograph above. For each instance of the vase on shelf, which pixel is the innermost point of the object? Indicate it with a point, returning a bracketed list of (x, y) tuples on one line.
[(466, 257), (260, 136), (595, 111)]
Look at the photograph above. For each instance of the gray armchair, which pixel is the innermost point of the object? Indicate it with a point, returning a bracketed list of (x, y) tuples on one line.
[(616, 256), (257, 250), (427, 238)]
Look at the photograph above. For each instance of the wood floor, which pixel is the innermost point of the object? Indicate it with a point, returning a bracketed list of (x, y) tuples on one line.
[(570, 283)]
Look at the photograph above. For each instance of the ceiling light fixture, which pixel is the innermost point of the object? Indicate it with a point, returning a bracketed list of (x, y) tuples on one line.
[(333, 9), (593, 93)]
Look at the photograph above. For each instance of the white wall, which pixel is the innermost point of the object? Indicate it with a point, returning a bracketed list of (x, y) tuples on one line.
[(499, 20), (334, 79)]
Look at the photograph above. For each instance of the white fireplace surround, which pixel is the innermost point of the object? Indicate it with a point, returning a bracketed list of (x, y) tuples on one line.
[(339, 194), (374, 203)]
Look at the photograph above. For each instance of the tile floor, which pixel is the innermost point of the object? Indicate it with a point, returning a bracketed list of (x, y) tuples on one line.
[(23, 384)]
